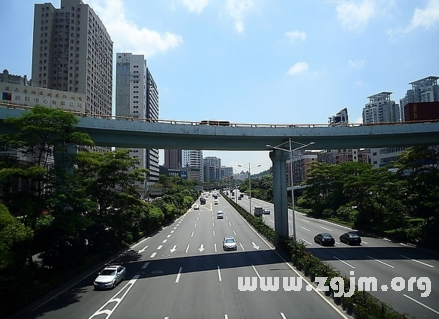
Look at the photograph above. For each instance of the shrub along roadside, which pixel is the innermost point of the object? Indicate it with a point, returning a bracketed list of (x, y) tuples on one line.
[(361, 304)]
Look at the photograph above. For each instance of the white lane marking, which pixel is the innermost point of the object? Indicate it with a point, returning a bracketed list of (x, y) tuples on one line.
[(195, 225), (242, 247), (344, 262), (173, 249), (213, 224), (283, 316), (255, 246), (172, 231), (187, 248), (213, 233), (306, 241), (219, 274), (337, 225), (152, 255), (114, 300), (192, 235), (214, 246), (230, 223), (160, 247), (198, 218), (256, 271), (325, 228), (306, 221), (145, 265), (175, 227), (168, 236), (417, 261), (420, 303), (201, 248), (364, 242), (136, 244), (386, 239), (382, 262), (142, 250), (234, 232), (164, 241), (304, 228), (226, 317), (178, 275)]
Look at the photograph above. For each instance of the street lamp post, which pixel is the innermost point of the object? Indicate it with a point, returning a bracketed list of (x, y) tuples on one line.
[(290, 151), (249, 186)]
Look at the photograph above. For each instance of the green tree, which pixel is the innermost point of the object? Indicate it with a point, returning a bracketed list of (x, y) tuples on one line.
[(109, 180), (13, 234), (40, 134)]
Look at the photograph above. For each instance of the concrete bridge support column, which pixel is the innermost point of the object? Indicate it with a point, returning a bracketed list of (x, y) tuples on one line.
[(279, 158)]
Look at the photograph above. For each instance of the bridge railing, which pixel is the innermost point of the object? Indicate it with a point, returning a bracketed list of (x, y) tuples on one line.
[(213, 122)]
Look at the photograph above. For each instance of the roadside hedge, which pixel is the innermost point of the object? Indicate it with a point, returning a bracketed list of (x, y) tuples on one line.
[(361, 304)]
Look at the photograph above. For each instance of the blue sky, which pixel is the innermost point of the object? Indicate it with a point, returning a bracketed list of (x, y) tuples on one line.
[(258, 61)]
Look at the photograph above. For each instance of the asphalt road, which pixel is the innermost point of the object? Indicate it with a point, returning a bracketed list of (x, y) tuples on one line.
[(183, 272), (376, 257)]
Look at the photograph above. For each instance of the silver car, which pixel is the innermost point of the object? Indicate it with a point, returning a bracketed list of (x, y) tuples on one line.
[(229, 243), (109, 277)]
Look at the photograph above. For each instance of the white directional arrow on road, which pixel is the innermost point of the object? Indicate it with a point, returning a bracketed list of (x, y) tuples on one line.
[(254, 246), (143, 249), (201, 248), (173, 249)]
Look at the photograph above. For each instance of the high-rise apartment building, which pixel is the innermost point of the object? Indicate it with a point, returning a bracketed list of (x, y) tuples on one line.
[(212, 168), (137, 97), (173, 159), (381, 109), (423, 91), (341, 118), (193, 163), (72, 51)]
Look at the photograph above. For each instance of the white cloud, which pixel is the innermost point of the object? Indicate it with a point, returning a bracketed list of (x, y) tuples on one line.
[(298, 67), (127, 36), (196, 6), (427, 17), (237, 9), (356, 64), (296, 35), (355, 16)]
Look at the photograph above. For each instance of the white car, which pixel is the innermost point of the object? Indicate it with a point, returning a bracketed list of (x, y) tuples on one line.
[(220, 214), (109, 277), (229, 243), (196, 207)]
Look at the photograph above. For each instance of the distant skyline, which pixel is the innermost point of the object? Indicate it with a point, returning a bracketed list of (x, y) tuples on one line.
[(258, 61)]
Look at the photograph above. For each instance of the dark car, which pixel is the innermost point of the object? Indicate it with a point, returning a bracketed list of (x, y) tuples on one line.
[(350, 238), (324, 239)]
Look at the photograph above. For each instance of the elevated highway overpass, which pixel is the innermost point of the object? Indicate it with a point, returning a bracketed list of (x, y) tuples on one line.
[(170, 134)]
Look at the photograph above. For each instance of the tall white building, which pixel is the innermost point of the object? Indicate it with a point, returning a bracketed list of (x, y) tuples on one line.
[(423, 90), (137, 96), (381, 109), (192, 162), (72, 51)]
